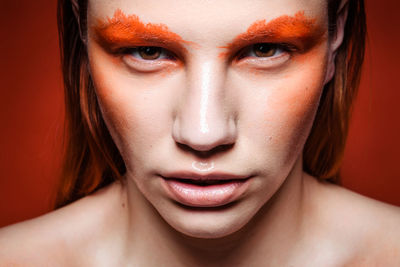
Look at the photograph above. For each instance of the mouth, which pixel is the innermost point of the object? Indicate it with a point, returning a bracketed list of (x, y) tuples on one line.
[(205, 182), (205, 191)]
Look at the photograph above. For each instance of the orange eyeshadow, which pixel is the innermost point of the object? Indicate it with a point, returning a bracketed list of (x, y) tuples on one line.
[(129, 30), (283, 28)]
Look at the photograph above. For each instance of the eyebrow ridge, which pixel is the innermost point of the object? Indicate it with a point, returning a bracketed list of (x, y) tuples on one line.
[(283, 27), (122, 29)]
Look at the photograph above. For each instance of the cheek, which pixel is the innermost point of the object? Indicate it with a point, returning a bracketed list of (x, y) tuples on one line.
[(285, 111), (302, 89), (135, 110), (292, 109), (299, 103)]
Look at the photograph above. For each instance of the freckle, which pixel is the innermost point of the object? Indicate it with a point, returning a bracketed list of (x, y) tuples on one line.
[(123, 205)]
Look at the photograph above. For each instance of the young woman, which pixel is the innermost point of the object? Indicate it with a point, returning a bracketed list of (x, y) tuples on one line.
[(203, 133)]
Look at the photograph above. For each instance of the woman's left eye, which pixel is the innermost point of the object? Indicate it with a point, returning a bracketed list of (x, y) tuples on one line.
[(263, 50), (149, 53)]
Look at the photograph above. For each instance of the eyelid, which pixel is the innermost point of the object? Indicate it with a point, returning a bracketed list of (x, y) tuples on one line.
[(165, 53), (265, 63), (284, 47), (140, 65)]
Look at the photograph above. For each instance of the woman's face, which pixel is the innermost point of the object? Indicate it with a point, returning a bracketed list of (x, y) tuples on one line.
[(224, 91)]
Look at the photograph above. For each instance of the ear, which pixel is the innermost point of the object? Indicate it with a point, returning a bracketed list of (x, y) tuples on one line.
[(75, 9), (336, 40)]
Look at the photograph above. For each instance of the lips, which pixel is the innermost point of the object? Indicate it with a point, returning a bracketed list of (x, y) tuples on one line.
[(212, 190), (203, 182)]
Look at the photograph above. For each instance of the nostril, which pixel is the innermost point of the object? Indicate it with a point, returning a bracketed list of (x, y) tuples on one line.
[(206, 153), (189, 137)]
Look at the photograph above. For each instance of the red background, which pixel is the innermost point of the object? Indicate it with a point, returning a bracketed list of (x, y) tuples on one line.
[(31, 109)]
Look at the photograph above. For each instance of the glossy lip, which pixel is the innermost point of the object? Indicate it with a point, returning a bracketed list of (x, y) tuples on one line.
[(229, 188)]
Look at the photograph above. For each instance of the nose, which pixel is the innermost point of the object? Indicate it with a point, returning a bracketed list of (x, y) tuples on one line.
[(205, 118)]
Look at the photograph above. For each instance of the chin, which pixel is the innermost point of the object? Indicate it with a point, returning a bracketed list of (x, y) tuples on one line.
[(211, 230), (210, 224)]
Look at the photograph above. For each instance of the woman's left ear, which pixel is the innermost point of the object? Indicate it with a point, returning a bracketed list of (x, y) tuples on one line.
[(336, 40)]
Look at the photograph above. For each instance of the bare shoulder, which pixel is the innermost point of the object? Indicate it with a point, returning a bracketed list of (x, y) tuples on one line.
[(369, 229), (60, 234)]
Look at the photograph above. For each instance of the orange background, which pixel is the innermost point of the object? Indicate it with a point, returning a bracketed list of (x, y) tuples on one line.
[(31, 109)]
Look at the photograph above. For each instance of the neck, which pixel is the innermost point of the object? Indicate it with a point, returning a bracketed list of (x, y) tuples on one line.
[(272, 232)]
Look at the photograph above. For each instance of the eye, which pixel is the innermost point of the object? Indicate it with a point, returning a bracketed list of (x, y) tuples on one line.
[(264, 50), (149, 53), (147, 59)]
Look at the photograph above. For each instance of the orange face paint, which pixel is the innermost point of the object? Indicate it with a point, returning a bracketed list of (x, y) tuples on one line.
[(282, 29), (125, 30)]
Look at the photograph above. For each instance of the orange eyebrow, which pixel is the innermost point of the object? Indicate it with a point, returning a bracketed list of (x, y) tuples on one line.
[(129, 30), (297, 27)]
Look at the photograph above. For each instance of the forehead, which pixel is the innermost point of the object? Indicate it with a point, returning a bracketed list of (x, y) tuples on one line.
[(206, 20)]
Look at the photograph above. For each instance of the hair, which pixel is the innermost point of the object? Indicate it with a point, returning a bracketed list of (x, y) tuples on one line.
[(91, 158)]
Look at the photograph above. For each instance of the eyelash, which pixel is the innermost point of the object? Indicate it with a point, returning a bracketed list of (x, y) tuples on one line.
[(278, 48), (136, 50), (166, 54)]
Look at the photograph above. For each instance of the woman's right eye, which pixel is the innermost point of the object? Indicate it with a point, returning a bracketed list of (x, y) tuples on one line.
[(148, 58)]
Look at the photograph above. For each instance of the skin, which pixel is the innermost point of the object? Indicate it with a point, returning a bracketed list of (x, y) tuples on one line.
[(211, 112), (198, 121), (211, 108)]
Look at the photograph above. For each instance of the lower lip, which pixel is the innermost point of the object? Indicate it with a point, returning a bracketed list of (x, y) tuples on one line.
[(208, 195)]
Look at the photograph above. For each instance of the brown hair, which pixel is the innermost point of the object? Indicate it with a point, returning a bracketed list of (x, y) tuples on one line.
[(91, 159)]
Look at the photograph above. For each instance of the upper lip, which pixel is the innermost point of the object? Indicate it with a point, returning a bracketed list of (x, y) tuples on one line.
[(187, 175)]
